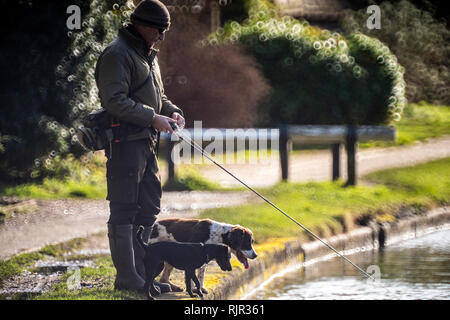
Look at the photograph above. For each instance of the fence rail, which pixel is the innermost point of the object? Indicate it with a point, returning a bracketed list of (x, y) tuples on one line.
[(338, 134)]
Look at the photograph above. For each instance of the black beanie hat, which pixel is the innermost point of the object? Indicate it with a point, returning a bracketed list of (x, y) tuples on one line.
[(151, 13)]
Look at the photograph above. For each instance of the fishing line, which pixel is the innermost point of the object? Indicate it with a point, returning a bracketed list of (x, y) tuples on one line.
[(184, 138)]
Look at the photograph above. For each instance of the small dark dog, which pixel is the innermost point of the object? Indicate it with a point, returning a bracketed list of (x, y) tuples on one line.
[(183, 256)]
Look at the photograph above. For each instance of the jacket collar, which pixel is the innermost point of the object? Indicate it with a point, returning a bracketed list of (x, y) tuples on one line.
[(132, 37)]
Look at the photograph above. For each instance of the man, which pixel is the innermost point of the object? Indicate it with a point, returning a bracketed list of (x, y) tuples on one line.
[(131, 90)]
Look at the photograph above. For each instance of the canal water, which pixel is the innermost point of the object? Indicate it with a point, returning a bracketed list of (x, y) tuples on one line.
[(414, 269)]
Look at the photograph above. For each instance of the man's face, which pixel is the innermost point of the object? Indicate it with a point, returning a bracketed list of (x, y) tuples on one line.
[(152, 35)]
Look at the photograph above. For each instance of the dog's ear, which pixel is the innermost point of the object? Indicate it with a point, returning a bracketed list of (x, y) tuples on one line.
[(235, 237)]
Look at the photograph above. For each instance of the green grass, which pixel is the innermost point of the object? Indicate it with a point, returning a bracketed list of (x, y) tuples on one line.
[(20, 262), (419, 122), (17, 264), (425, 181), (58, 250), (324, 206), (188, 178), (53, 188), (83, 178), (97, 284)]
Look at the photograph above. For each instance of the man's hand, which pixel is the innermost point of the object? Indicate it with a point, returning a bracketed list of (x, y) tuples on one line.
[(179, 119), (162, 123)]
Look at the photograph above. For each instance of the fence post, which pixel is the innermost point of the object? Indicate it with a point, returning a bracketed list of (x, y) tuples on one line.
[(351, 140), (285, 146), (336, 153), (170, 163)]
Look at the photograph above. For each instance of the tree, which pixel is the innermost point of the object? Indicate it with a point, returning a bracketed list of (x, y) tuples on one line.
[(47, 81)]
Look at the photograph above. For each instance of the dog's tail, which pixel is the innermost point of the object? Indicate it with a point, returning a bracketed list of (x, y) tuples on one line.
[(139, 237)]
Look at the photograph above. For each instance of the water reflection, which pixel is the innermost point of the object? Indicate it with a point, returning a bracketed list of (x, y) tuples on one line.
[(414, 269)]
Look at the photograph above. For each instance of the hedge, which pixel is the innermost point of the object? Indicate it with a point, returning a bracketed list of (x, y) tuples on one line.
[(420, 42), (48, 81), (318, 76)]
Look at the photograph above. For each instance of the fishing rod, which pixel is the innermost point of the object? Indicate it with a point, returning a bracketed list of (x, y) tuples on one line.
[(182, 137)]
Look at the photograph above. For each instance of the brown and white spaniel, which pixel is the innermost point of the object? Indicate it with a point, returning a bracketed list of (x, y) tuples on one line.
[(206, 231)]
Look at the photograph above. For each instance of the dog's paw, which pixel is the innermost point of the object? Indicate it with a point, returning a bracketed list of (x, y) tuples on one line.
[(193, 295), (155, 291), (202, 291), (197, 292), (175, 288), (148, 295)]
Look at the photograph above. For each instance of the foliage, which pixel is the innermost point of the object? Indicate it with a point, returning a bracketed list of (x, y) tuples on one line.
[(30, 115), (56, 86), (319, 77), (420, 42), (219, 84), (436, 7)]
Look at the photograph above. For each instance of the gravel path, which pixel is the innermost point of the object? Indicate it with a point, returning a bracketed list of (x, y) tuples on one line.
[(61, 220)]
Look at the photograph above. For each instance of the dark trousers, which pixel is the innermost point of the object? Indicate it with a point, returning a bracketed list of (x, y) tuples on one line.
[(134, 183)]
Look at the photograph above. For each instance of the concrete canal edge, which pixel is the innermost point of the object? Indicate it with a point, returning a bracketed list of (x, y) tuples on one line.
[(277, 257)]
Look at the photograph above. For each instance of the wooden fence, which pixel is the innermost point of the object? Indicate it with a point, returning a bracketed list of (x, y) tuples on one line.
[(333, 135)]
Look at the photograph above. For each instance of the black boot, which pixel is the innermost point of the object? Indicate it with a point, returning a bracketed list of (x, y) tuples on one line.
[(122, 254), (139, 254)]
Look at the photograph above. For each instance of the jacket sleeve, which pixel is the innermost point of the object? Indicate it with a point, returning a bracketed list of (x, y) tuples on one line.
[(168, 107), (113, 76)]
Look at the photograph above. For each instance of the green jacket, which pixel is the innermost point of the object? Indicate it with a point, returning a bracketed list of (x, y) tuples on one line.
[(129, 82)]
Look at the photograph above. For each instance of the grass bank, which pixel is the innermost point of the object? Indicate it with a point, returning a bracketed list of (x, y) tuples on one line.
[(419, 122), (20, 262), (328, 208), (73, 178), (97, 283)]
